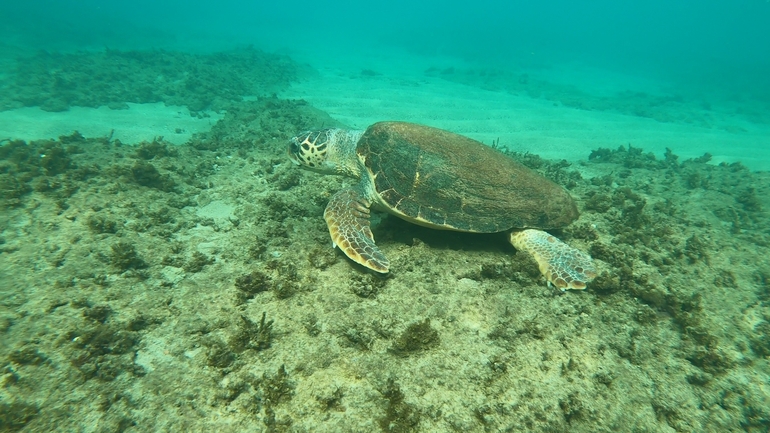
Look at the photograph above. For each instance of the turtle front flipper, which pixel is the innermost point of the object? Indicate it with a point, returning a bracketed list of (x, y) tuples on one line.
[(347, 216), (563, 266)]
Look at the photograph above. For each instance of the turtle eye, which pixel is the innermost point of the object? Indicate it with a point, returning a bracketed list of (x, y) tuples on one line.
[(294, 146)]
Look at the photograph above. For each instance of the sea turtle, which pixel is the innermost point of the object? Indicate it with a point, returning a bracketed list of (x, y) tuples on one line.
[(441, 180)]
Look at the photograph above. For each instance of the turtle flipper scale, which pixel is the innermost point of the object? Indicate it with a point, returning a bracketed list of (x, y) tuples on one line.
[(347, 216), (563, 266)]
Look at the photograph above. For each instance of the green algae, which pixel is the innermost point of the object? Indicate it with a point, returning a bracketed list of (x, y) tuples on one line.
[(253, 335), (125, 257), (249, 285), (418, 337), (148, 307), (14, 416), (400, 416), (57, 81)]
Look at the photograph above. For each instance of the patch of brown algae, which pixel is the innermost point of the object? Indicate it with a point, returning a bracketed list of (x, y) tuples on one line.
[(194, 288)]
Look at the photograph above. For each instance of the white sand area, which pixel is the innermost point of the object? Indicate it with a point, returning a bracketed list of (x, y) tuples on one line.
[(404, 92), (140, 122)]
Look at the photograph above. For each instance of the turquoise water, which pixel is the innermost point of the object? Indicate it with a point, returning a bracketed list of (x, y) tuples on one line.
[(701, 63), (698, 45), (164, 266)]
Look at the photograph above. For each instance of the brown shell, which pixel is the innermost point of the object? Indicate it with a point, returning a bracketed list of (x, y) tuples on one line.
[(437, 178)]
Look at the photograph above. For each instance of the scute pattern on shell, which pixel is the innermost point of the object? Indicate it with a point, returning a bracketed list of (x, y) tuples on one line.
[(439, 178)]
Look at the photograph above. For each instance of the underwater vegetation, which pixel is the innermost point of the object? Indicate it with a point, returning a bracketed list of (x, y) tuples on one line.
[(417, 337), (55, 81), (400, 416), (161, 287), (663, 107)]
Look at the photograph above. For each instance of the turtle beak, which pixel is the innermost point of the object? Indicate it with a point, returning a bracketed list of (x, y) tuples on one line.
[(293, 150)]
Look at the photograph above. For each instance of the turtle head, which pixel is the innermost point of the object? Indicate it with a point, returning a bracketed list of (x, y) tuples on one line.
[(329, 151)]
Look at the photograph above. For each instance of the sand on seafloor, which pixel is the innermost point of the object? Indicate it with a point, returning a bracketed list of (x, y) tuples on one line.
[(399, 89), (188, 283), (137, 123)]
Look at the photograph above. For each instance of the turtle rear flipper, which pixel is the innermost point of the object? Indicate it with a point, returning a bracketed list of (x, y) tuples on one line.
[(563, 266), (347, 216)]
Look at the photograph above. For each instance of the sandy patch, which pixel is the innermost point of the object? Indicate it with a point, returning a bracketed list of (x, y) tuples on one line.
[(140, 122), (400, 90)]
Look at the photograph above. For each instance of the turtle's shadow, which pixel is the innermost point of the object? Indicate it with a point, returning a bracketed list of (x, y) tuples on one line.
[(394, 229)]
